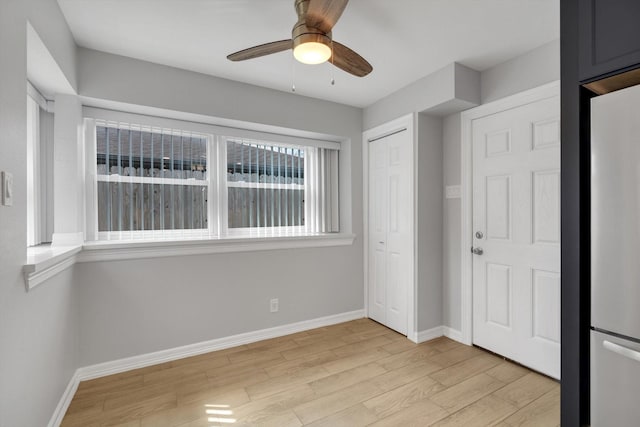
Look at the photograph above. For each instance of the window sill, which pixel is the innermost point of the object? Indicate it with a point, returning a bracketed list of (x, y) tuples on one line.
[(119, 250), (44, 262)]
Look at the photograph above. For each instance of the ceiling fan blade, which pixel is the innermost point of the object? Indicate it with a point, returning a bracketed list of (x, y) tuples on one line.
[(349, 61), (323, 14), (261, 50)]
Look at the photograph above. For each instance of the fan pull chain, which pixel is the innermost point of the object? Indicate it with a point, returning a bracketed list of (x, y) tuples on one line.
[(333, 81), (293, 74)]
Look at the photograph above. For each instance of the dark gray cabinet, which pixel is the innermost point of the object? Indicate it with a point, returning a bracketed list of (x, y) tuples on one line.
[(609, 37), (599, 44)]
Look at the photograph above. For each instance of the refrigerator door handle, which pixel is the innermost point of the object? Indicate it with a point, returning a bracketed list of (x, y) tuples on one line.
[(623, 351)]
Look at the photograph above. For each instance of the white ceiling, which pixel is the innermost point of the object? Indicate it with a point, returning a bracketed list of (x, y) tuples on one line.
[(404, 40)]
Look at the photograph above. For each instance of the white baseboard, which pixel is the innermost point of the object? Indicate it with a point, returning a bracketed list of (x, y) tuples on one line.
[(143, 360), (454, 334), (65, 401), (436, 332), (427, 335)]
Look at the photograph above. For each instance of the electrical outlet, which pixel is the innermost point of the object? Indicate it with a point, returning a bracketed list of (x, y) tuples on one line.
[(274, 305), (7, 189)]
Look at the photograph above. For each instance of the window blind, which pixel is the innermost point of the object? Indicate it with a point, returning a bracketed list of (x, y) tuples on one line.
[(151, 182), (273, 186), (322, 190)]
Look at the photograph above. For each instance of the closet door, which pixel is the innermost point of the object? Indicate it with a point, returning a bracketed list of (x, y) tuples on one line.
[(390, 223)]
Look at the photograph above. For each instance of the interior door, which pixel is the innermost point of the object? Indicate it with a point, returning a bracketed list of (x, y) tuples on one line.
[(516, 226), (390, 248)]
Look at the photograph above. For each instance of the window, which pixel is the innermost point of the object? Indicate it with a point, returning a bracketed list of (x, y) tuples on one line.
[(193, 182), (150, 182), (265, 185)]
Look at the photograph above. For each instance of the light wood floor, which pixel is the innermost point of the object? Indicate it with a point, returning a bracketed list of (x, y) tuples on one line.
[(352, 374)]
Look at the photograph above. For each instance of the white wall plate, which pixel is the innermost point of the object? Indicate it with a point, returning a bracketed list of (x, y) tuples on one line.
[(7, 189)]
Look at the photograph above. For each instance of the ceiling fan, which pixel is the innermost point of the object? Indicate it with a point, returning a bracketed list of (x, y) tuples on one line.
[(311, 39)]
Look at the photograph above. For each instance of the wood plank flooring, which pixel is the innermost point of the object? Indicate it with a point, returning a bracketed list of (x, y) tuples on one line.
[(352, 374)]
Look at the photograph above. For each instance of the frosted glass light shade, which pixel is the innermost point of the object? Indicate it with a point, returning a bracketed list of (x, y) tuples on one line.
[(312, 53)]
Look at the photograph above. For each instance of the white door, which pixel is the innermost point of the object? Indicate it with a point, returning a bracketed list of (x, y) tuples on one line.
[(516, 223), (390, 248)]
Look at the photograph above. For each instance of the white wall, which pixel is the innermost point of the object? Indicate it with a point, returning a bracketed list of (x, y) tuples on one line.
[(38, 330), (140, 306), (532, 69)]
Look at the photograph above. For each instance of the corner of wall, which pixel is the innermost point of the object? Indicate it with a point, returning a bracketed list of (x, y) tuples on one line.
[(429, 221)]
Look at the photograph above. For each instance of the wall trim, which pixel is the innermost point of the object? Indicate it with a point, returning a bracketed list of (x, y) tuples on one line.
[(143, 360), (33, 277), (467, 117), (65, 401), (126, 250), (429, 334), (453, 334), (438, 331)]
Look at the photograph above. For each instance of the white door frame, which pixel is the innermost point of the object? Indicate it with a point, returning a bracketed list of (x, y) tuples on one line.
[(407, 124), (548, 90)]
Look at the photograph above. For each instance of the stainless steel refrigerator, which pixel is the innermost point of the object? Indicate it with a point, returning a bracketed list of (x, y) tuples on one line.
[(615, 259)]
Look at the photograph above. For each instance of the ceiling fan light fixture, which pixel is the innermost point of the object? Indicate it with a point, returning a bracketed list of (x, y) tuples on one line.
[(311, 39), (312, 53)]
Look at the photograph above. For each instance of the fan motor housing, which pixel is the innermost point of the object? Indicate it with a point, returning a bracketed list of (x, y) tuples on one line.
[(303, 34)]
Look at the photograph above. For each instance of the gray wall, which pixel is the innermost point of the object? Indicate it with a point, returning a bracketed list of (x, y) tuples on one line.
[(527, 71), (451, 225), (38, 330), (140, 306), (429, 296), (450, 89), (531, 69)]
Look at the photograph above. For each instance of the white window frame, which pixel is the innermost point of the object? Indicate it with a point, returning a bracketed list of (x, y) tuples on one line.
[(212, 230), (224, 184), (216, 163), (33, 172), (38, 169)]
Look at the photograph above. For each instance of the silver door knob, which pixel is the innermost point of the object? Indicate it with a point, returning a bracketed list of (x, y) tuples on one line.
[(477, 251)]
